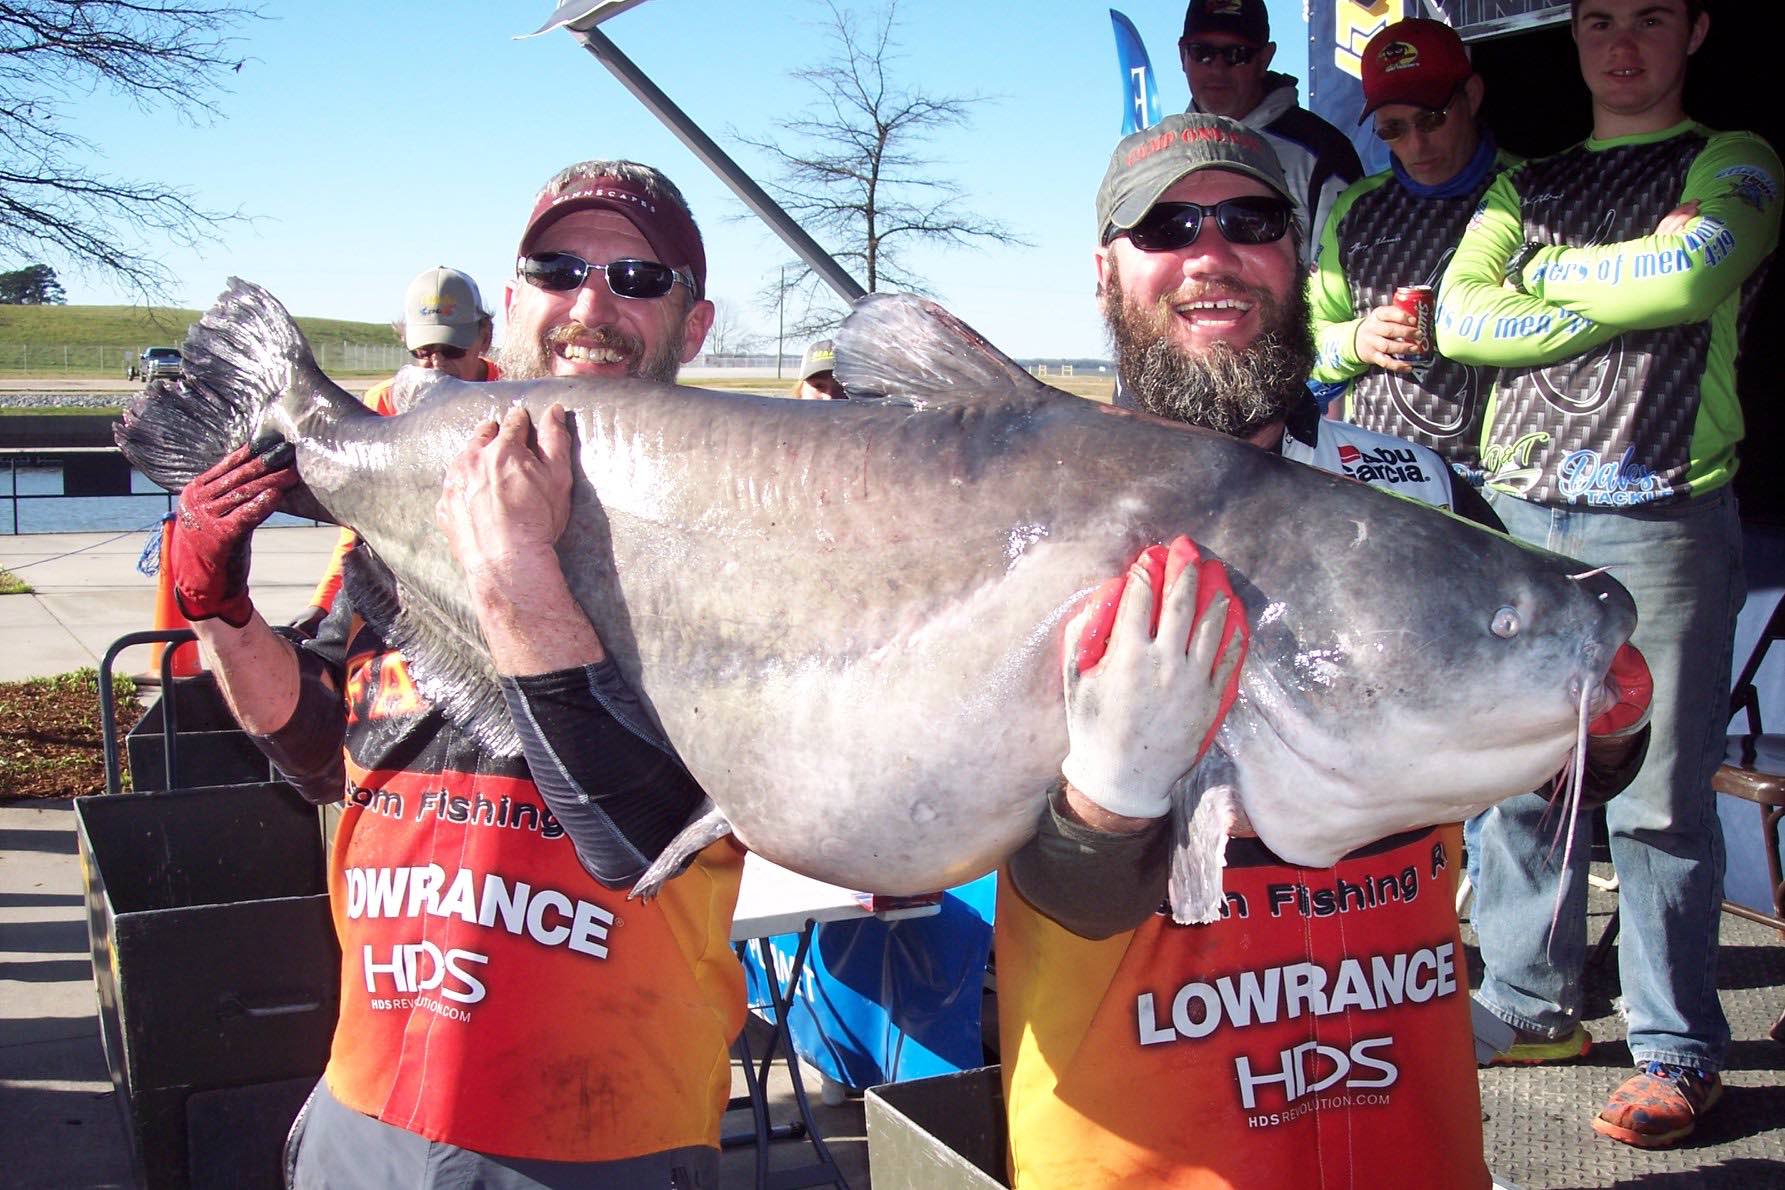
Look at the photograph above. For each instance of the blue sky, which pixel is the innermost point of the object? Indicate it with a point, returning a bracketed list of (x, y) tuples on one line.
[(371, 140)]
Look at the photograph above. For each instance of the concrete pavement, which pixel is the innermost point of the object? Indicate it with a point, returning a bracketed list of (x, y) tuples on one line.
[(88, 594), (59, 1122)]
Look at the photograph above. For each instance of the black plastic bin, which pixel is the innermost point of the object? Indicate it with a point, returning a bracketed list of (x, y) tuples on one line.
[(217, 972), (210, 748), (941, 1133)]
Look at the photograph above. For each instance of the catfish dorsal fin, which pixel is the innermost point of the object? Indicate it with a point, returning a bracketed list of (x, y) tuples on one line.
[(911, 350)]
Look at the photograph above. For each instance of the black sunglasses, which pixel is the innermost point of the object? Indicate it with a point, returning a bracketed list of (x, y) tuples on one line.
[(1426, 120), (1203, 52), (1249, 219), (443, 350), (561, 271)]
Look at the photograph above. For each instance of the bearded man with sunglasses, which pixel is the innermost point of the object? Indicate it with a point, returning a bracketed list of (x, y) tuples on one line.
[(1137, 1051), (1226, 53), (1400, 228), (507, 1017), (1609, 285)]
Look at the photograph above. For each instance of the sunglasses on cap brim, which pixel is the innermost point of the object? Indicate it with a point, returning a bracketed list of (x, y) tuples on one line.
[(1248, 219), (559, 272)]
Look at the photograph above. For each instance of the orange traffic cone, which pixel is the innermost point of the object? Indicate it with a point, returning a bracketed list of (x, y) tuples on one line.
[(167, 615)]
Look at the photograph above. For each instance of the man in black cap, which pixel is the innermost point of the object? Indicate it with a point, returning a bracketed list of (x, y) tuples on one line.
[(1226, 50)]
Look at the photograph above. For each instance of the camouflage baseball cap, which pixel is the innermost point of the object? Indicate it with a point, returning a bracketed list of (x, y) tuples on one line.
[(1148, 163)]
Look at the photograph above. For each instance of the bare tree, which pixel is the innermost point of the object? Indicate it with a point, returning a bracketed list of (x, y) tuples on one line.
[(159, 53), (730, 335), (853, 168)]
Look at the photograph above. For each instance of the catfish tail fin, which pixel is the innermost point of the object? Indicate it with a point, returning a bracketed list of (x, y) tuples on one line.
[(247, 375)]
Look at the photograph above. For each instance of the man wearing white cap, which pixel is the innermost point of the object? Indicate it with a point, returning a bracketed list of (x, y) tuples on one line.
[(446, 329), (445, 326), (818, 377)]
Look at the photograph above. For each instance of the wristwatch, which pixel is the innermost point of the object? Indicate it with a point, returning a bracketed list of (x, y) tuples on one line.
[(1515, 266)]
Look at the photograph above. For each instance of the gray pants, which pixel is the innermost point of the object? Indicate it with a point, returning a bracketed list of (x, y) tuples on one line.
[(333, 1147)]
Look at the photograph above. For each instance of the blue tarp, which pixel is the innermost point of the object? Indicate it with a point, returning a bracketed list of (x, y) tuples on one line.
[(884, 1002)]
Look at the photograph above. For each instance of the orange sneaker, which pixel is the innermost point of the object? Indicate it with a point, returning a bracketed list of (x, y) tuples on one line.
[(1659, 1106)]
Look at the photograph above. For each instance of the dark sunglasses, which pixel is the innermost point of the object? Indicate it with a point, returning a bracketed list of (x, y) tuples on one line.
[(1249, 219), (443, 350), (561, 271), (1202, 53), (1426, 121)]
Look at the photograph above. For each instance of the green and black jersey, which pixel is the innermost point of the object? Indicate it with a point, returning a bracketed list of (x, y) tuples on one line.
[(1616, 384), (1381, 236)]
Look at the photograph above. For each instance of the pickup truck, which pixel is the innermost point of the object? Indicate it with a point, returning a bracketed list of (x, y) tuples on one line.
[(155, 363)]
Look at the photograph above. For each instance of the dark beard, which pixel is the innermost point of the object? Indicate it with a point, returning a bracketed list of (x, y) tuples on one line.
[(531, 360), (1228, 391)]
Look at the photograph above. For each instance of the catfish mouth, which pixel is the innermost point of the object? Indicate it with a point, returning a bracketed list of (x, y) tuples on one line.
[(1314, 787)]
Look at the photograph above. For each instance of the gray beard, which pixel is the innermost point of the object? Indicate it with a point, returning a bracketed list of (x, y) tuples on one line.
[(531, 360), (1233, 392)]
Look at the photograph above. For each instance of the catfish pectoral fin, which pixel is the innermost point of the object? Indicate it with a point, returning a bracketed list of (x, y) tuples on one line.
[(1202, 813), (708, 825)]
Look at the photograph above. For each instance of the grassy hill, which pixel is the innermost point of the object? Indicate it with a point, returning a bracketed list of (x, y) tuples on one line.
[(102, 340)]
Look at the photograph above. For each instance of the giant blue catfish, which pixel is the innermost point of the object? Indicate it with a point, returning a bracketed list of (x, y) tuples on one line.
[(846, 616)]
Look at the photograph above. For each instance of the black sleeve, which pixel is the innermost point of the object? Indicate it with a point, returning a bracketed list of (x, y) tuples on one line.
[(613, 783), (307, 750), (1094, 883), (1604, 782), (1470, 504)]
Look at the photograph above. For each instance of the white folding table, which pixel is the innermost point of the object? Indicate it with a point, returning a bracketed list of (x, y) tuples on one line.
[(773, 900)]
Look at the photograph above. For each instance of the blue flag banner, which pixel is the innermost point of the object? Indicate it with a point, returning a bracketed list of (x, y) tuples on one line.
[(1140, 94)]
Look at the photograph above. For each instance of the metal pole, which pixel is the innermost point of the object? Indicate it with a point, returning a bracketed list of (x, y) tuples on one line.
[(780, 321), (715, 159)]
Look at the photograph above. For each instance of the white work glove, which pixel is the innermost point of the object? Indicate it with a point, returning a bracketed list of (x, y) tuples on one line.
[(1146, 690)]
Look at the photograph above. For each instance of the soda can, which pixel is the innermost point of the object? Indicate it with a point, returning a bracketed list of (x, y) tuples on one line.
[(1420, 302)]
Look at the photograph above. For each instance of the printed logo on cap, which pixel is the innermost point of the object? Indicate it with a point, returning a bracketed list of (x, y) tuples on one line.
[(442, 305), (1398, 55), (1224, 8)]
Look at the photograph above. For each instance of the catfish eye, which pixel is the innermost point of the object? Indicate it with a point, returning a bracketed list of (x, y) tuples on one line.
[(1505, 625)]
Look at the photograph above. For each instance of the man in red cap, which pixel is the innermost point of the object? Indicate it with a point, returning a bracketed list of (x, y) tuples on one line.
[(1226, 52), (508, 1018), (1399, 228)]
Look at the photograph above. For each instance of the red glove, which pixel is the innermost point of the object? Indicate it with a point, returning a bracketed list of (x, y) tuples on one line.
[(218, 514), (1630, 680)]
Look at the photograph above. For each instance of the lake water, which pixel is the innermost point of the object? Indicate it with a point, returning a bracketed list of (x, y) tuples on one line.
[(40, 506)]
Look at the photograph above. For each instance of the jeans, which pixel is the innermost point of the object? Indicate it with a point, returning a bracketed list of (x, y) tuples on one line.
[(1685, 573)]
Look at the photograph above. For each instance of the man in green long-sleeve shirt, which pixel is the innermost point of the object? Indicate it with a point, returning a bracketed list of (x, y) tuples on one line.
[(1607, 284), (1400, 227)]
